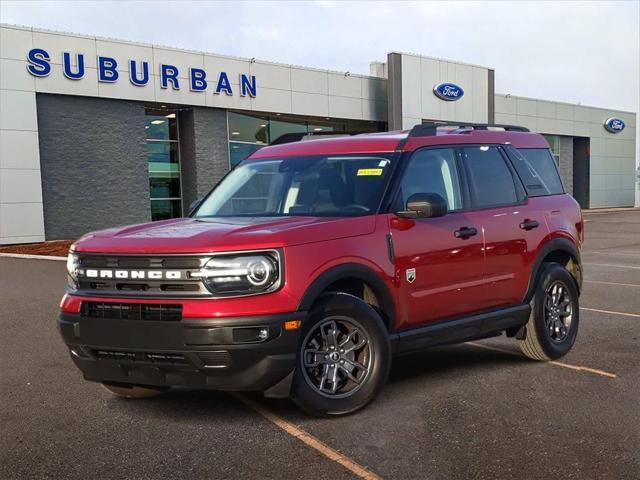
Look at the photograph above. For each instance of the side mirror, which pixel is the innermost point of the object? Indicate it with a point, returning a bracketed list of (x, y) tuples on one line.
[(195, 204), (424, 205)]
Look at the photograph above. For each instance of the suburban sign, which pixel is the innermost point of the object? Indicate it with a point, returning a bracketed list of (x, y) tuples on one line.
[(73, 68), (448, 91), (614, 125)]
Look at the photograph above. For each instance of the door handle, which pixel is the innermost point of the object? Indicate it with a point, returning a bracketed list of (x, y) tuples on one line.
[(465, 232), (529, 224)]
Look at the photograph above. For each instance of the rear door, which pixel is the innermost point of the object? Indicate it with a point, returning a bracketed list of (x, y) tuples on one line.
[(513, 226), (439, 261)]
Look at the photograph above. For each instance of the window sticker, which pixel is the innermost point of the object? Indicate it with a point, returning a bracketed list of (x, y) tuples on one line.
[(369, 172)]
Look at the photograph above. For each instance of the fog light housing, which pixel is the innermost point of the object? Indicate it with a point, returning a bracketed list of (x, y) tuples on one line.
[(250, 334)]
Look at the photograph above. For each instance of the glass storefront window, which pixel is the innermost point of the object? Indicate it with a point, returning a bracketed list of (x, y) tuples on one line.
[(277, 128), (164, 164), (245, 128), (162, 154), (161, 127), (165, 209), (248, 133), (239, 151), (326, 128), (554, 143), (164, 185)]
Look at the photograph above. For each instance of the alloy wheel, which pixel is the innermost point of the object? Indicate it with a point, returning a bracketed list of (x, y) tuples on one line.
[(558, 311), (336, 357)]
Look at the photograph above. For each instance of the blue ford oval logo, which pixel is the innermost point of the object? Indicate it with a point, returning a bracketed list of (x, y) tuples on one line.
[(614, 125), (448, 91)]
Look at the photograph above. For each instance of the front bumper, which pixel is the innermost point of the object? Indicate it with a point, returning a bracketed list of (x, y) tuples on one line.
[(195, 353)]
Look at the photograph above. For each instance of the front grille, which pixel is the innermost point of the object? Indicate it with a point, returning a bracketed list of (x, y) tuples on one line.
[(142, 357), (184, 286), (132, 311), (134, 262)]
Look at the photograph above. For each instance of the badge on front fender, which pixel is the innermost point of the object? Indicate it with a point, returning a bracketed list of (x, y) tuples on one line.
[(411, 275)]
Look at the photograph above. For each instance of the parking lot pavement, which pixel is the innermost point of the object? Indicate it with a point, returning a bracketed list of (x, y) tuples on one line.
[(468, 411)]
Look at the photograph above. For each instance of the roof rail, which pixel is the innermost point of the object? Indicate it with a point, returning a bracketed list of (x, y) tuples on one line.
[(299, 136), (429, 129)]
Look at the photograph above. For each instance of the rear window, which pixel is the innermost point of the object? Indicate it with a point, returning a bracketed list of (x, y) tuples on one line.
[(492, 183), (538, 171)]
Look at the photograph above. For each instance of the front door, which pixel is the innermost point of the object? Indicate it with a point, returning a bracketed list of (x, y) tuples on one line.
[(440, 261)]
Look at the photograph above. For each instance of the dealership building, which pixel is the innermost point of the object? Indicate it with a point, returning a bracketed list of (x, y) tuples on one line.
[(97, 132)]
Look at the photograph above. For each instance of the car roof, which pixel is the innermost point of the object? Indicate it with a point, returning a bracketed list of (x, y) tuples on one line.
[(387, 142)]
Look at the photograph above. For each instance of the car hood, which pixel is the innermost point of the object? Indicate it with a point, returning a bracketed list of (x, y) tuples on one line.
[(190, 235)]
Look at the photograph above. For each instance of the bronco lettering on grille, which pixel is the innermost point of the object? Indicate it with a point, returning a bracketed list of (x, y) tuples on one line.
[(132, 274)]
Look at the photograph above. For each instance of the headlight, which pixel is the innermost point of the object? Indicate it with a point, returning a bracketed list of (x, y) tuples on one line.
[(73, 262), (241, 274)]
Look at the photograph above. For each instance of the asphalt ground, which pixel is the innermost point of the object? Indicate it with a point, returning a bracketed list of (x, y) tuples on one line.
[(477, 410)]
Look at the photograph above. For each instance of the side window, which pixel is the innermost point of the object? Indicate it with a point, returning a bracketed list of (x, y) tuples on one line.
[(538, 171), (433, 171), (491, 180)]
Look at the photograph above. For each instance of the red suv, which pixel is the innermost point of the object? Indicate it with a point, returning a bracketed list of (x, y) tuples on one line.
[(314, 262)]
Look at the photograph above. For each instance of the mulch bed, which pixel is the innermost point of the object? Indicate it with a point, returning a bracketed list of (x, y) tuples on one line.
[(55, 248)]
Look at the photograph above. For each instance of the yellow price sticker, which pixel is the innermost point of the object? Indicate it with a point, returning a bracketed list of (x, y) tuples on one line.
[(369, 172)]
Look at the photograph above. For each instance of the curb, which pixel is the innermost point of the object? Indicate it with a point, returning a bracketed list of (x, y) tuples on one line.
[(33, 257), (609, 210)]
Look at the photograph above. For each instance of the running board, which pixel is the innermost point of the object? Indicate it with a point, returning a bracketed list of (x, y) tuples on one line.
[(461, 329)]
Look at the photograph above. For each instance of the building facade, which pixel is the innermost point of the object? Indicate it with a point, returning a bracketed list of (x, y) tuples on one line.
[(97, 132)]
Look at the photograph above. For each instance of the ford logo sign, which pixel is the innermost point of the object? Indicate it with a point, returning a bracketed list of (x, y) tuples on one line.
[(614, 125), (448, 91)]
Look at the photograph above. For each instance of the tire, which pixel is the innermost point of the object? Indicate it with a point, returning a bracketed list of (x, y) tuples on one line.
[(361, 340), (133, 391), (545, 338)]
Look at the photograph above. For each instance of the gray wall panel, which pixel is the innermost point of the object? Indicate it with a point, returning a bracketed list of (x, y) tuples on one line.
[(394, 91), (94, 164), (204, 151), (566, 163), (491, 116), (187, 158)]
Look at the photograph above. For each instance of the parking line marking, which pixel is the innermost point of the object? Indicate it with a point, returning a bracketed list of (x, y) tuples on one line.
[(32, 257), (553, 362), (309, 439), (613, 283), (626, 314), (612, 265), (621, 254)]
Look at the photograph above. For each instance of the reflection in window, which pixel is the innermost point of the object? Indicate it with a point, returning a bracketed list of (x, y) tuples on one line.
[(165, 209), (248, 133), (161, 129), (537, 171), (554, 144), (245, 128), (239, 151), (432, 171), (346, 185), (492, 183), (277, 128)]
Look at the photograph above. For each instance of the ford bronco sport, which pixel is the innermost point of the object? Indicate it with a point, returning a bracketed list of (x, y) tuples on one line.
[(314, 262)]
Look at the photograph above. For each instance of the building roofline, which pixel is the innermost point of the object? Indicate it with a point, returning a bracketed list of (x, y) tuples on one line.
[(185, 50), (509, 95), (288, 65), (440, 59)]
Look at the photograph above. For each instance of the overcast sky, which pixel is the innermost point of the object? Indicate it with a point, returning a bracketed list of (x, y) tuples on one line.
[(575, 51)]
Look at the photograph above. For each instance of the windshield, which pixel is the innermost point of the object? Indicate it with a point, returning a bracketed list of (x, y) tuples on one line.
[(346, 185)]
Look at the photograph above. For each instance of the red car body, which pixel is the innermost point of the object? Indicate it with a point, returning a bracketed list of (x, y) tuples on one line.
[(454, 277)]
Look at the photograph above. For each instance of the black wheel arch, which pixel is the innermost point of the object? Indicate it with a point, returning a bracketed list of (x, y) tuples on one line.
[(352, 271), (555, 248)]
